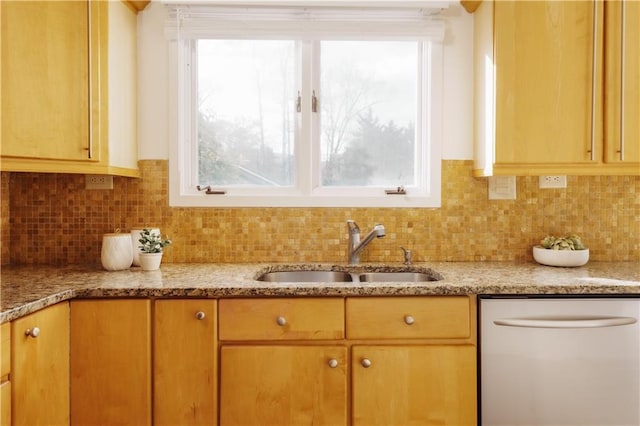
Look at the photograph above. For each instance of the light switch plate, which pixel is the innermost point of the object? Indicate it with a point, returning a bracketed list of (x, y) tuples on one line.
[(502, 187)]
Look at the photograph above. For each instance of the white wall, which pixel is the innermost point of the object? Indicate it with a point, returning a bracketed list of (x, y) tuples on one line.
[(153, 84)]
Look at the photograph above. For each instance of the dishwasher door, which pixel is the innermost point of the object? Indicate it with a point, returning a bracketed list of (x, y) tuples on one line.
[(559, 361)]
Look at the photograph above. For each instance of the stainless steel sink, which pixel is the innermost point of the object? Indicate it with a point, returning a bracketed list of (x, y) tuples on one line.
[(398, 277), (306, 277)]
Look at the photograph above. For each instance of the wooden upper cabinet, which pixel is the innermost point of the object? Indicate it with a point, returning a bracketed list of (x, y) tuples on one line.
[(63, 65), (545, 66), (45, 77), (622, 97), (540, 88)]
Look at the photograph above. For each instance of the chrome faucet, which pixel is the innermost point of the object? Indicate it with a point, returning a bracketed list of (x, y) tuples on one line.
[(355, 245)]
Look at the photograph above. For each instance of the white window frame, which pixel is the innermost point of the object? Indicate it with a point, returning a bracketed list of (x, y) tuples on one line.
[(307, 191)]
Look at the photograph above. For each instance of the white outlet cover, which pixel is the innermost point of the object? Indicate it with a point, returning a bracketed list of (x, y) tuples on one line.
[(546, 182), (98, 182)]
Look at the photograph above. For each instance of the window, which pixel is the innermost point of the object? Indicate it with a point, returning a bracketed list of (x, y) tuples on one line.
[(278, 110)]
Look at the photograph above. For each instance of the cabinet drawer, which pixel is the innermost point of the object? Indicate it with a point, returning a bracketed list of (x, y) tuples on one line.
[(281, 319), (408, 317)]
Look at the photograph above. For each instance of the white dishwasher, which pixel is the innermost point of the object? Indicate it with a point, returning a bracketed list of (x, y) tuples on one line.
[(559, 361)]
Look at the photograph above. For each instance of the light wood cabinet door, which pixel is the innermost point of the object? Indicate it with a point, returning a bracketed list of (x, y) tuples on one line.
[(5, 368), (40, 367), (185, 362), (548, 70), (111, 362), (283, 385), (45, 80), (68, 86), (5, 404), (414, 385), (622, 97)]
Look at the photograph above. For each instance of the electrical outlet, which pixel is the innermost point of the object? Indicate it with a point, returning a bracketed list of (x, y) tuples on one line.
[(98, 182), (552, 181)]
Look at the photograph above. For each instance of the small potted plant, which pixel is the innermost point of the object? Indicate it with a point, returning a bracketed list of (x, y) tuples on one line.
[(151, 246), (561, 251)]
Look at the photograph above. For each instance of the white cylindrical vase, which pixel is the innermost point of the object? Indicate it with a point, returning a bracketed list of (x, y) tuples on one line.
[(135, 244), (116, 253)]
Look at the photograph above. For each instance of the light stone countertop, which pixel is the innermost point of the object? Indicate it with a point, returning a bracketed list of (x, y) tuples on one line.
[(26, 289)]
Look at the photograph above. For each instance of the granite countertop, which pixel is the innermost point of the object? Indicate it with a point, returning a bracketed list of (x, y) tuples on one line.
[(25, 289)]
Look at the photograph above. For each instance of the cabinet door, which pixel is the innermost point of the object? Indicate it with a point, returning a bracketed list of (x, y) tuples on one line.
[(45, 80), (185, 360), (283, 385), (40, 370), (5, 404), (5, 368), (546, 106), (111, 362), (414, 385), (622, 97)]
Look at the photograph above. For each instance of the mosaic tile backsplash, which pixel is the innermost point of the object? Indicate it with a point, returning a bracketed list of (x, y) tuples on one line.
[(52, 219)]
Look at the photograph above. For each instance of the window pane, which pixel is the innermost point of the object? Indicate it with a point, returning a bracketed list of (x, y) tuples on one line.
[(368, 113), (246, 100)]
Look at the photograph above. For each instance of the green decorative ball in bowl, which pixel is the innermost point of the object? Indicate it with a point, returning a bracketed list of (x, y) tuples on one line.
[(561, 251)]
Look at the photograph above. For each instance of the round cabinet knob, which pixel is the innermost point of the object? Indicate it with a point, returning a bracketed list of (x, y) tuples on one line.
[(200, 315), (333, 363), (281, 320), (366, 362), (33, 332), (408, 319)]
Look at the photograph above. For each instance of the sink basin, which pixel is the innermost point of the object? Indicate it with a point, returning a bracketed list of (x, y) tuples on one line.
[(306, 277), (397, 277)]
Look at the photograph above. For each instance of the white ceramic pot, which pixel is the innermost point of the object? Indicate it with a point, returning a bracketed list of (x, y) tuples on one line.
[(135, 244), (116, 253), (150, 261), (565, 258)]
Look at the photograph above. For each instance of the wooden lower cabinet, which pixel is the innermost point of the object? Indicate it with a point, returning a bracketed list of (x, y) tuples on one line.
[(185, 362), (40, 367), (283, 385), (111, 362), (5, 369), (402, 361), (5, 404), (414, 385)]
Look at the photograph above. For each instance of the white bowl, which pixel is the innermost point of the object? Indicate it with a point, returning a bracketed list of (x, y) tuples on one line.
[(560, 257)]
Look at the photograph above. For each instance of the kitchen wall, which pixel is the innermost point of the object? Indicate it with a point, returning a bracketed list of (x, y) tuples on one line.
[(54, 220)]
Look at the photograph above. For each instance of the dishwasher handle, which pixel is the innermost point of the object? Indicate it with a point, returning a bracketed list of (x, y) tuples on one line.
[(566, 322)]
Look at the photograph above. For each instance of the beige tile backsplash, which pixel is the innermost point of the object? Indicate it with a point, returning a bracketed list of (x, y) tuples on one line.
[(52, 219)]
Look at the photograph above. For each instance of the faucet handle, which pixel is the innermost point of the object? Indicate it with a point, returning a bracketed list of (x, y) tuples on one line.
[(407, 256)]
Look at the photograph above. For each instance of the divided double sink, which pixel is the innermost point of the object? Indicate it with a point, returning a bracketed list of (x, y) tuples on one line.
[(356, 276)]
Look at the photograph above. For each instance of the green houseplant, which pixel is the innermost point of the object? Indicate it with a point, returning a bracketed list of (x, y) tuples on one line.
[(151, 249), (564, 251)]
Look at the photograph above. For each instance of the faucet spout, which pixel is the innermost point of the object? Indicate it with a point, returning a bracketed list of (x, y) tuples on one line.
[(355, 245)]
